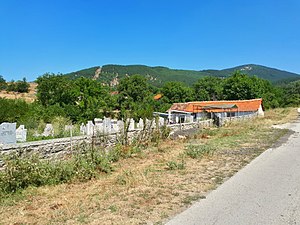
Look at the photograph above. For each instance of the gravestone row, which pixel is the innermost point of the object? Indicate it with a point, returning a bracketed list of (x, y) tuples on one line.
[(10, 135)]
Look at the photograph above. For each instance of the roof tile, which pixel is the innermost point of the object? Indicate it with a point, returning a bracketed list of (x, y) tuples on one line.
[(242, 106)]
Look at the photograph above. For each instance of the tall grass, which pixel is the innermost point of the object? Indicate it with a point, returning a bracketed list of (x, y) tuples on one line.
[(22, 172)]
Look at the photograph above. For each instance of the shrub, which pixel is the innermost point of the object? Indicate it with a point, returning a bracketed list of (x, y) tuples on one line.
[(22, 172)]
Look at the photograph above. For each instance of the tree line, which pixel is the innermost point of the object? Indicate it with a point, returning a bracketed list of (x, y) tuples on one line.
[(84, 99), (21, 86)]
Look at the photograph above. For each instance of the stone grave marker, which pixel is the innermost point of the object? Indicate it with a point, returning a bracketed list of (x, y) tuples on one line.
[(21, 134), (114, 126), (48, 131), (131, 124), (120, 125), (141, 124), (106, 125), (83, 129), (90, 128), (8, 133), (161, 121)]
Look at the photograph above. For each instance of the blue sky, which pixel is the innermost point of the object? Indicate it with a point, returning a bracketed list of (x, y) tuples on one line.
[(38, 36)]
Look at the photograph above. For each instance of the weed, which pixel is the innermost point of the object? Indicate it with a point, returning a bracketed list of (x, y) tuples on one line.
[(82, 218), (22, 172), (172, 165), (125, 178), (198, 151), (189, 199), (113, 208)]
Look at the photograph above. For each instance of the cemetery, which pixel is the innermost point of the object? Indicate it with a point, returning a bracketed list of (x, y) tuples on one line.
[(105, 132), (108, 132)]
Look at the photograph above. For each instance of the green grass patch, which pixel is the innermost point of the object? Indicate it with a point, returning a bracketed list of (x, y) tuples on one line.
[(173, 165), (198, 151)]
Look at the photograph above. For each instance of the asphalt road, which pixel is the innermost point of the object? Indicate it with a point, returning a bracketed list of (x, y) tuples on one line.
[(266, 191)]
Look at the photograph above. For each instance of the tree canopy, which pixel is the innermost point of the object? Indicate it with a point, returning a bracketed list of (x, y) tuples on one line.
[(175, 91), (209, 89)]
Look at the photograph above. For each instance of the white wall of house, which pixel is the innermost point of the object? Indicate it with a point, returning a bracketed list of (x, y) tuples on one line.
[(245, 113), (189, 117), (261, 111)]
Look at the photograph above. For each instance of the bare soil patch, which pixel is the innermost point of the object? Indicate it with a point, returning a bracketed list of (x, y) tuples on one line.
[(28, 97)]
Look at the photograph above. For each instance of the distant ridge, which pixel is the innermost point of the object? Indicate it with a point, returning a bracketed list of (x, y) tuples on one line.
[(158, 75)]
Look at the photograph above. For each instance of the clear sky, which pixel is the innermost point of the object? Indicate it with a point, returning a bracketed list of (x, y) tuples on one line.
[(38, 36)]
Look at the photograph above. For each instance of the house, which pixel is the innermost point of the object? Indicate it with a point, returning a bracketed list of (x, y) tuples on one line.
[(195, 111)]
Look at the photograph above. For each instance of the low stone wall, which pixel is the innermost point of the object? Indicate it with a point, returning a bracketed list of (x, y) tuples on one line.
[(60, 147), (54, 148), (226, 120), (187, 126)]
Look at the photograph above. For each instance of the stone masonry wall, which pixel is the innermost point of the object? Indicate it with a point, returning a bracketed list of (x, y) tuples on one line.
[(60, 147)]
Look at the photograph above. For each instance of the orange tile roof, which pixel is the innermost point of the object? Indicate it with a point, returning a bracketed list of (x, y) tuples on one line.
[(157, 97), (242, 106), (114, 93)]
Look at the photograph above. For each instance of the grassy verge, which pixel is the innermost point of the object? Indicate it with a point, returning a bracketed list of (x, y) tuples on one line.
[(150, 185)]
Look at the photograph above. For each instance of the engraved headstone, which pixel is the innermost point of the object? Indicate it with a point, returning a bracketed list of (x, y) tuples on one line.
[(90, 128), (21, 134), (8, 133), (98, 128), (98, 121), (82, 129), (141, 124), (106, 125), (131, 125), (161, 121), (148, 123), (120, 125), (114, 126), (48, 131)]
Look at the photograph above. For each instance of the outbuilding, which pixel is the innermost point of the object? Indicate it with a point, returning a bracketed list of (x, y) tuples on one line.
[(195, 111)]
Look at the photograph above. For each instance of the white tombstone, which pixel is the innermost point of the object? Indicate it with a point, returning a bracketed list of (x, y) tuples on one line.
[(21, 134), (161, 121), (90, 128), (141, 124), (148, 123), (8, 133), (106, 125), (131, 125), (114, 126), (82, 129), (120, 125), (98, 121), (98, 128), (48, 131)]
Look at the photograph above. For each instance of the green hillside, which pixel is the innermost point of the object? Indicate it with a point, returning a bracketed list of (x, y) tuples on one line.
[(89, 73), (271, 74), (158, 75)]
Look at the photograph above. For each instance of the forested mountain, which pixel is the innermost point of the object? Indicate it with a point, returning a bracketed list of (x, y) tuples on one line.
[(267, 73), (111, 74)]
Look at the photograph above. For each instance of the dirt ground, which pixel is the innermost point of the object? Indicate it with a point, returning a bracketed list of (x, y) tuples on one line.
[(28, 97), (145, 188)]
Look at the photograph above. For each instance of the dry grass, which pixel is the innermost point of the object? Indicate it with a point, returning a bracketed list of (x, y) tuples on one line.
[(28, 97), (142, 189)]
